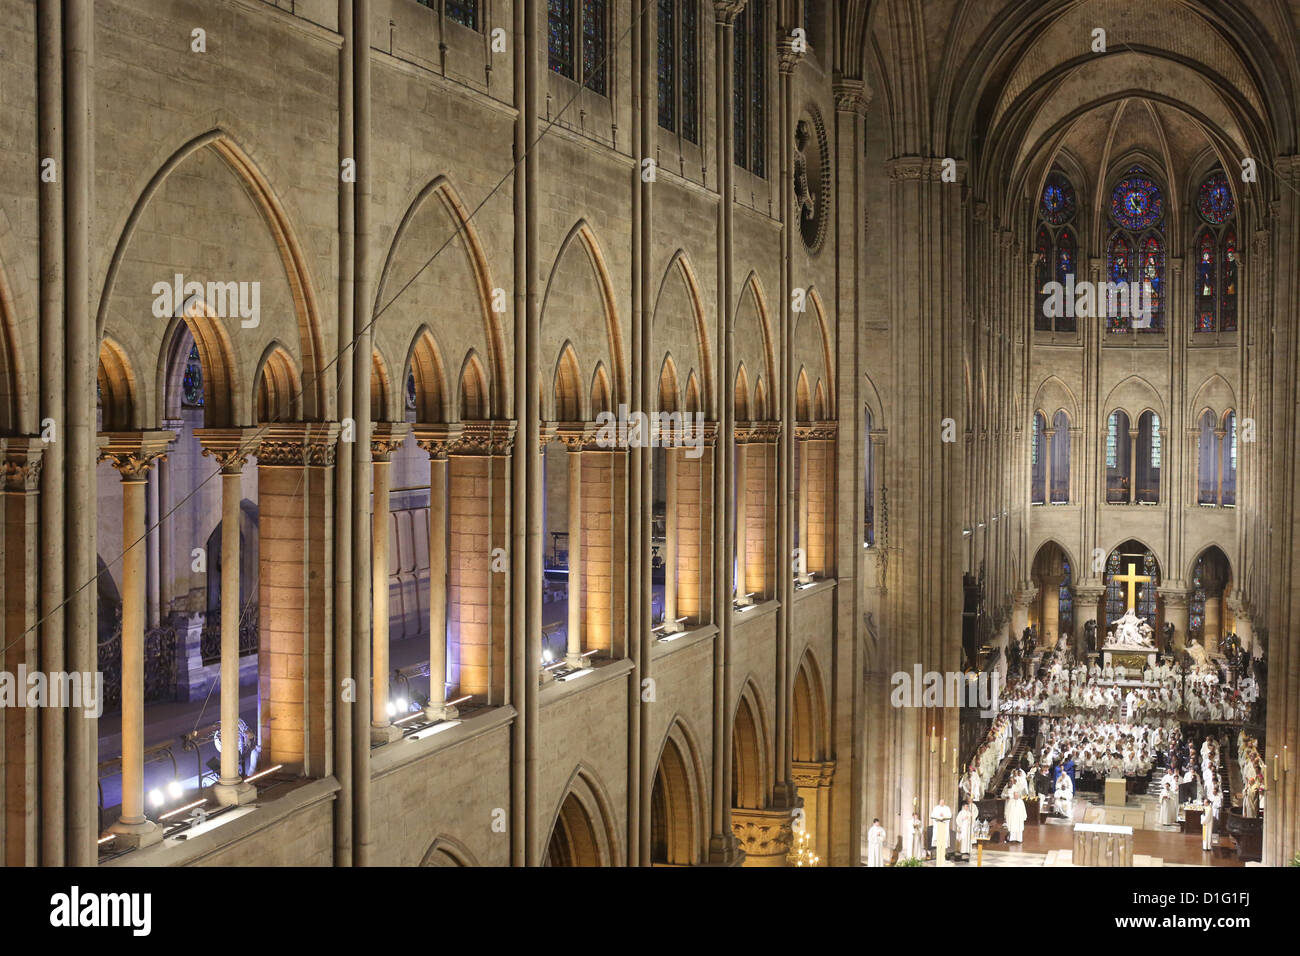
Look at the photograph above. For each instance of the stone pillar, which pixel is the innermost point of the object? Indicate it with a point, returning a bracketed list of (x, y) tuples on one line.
[(438, 440), (1241, 621), (384, 438), (820, 514), (1219, 435), (670, 540), (1051, 590), (151, 550), (1048, 435), (1020, 610), (132, 453), (1176, 607), (20, 800), (1087, 598), (766, 836), (573, 629), (742, 518), (1132, 462), (231, 448), (802, 443), (1213, 630), (813, 780)]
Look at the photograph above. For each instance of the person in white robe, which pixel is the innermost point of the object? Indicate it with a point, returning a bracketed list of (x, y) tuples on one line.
[(1064, 796), (875, 844), (1208, 817), (913, 845), (965, 828), (1015, 815), (940, 819), (1168, 799)]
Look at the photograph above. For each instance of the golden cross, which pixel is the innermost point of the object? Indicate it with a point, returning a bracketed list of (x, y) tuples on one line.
[(1132, 580)]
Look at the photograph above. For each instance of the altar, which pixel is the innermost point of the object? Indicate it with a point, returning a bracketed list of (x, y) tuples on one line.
[(1096, 844), (1131, 642)]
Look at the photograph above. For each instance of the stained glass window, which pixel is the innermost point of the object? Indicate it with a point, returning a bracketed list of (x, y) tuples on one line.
[(559, 28), (1216, 256), (1144, 563), (593, 45), (1065, 617), (410, 392), (1058, 201), (1118, 262), (1112, 437), (1056, 247), (667, 29), (464, 12), (1153, 273), (1033, 441), (1196, 611), (690, 70), (192, 380), (1155, 440), (1228, 465), (1214, 199), (1135, 202), (749, 104)]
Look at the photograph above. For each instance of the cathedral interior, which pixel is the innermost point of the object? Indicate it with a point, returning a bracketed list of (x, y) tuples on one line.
[(880, 354)]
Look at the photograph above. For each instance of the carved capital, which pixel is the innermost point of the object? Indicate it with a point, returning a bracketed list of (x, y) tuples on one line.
[(852, 96), (386, 437), (1174, 598), (298, 443), (812, 773), (787, 56), (493, 437), (816, 431), (726, 11), (922, 168), (575, 436), (763, 832), (20, 464), (757, 433), (229, 447), (437, 440), (133, 453)]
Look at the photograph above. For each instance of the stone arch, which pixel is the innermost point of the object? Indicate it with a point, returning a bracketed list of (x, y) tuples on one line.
[(424, 362), (447, 851), (809, 719), (1133, 395), (1207, 550), (750, 764), (679, 282), (566, 388), (820, 402), (756, 351), (824, 355), (461, 232), (581, 240), (117, 387), (678, 827), (1054, 394), (277, 388), (472, 398), (694, 402), (600, 391), (223, 398), (381, 390), (13, 392), (740, 394), (668, 393), (293, 262), (582, 830), (1213, 395), (760, 400), (802, 397)]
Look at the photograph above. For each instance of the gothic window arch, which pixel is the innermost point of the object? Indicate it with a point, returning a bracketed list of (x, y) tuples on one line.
[(1038, 459), (577, 36), (679, 68), (1119, 456), (749, 107), (1144, 563), (1149, 453), (192, 380), (1056, 247), (1215, 248), (1059, 492), (1216, 459), (1135, 250)]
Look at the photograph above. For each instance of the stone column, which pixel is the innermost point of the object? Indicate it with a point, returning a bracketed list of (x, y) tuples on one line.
[(1048, 435), (742, 517), (670, 540), (803, 445), (1213, 630), (438, 440), (1219, 435), (231, 448), (1132, 462), (384, 438), (22, 803), (1241, 622), (1087, 597), (573, 629), (1051, 590), (1020, 610), (1176, 607), (132, 453)]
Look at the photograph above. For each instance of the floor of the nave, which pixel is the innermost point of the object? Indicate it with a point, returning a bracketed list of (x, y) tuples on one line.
[(1052, 843)]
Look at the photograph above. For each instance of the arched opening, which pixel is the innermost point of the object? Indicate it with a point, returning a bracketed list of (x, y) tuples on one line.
[(116, 382), (1059, 461), (1119, 458), (1209, 617), (810, 750), (1132, 560), (749, 789), (278, 389), (1054, 604), (1150, 450), (581, 834), (675, 814)]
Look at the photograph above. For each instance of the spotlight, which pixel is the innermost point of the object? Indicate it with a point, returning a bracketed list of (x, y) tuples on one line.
[(392, 710), (546, 655), (156, 797), (175, 790), (401, 703)]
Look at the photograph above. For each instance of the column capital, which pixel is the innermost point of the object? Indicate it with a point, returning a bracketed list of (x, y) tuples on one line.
[(20, 464), (757, 433), (1174, 597), (852, 96), (230, 447), (132, 453), (816, 431), (437, 439), (787, 56), (813, 773), (924, 168), (1088, 592), (493, 437), (726, 11), (1023, 597), (385, 438), (575, 436), (298, 443)]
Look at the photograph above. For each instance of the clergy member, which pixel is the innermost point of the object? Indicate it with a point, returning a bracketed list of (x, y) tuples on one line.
[(1168, 799), (914, 838), (965, 828), (1015, 815), (875, 843), (939, 819)]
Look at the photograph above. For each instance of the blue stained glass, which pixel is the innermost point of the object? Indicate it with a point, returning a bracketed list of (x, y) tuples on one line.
[(1058, 203), (1228, 301), (1136, 203), (1118, 263), (559, 27), (690, 71), (192, 380), (464, 12), (1214, 199), (1153, 279), (410, 392), (667, 65), (593, 45)]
